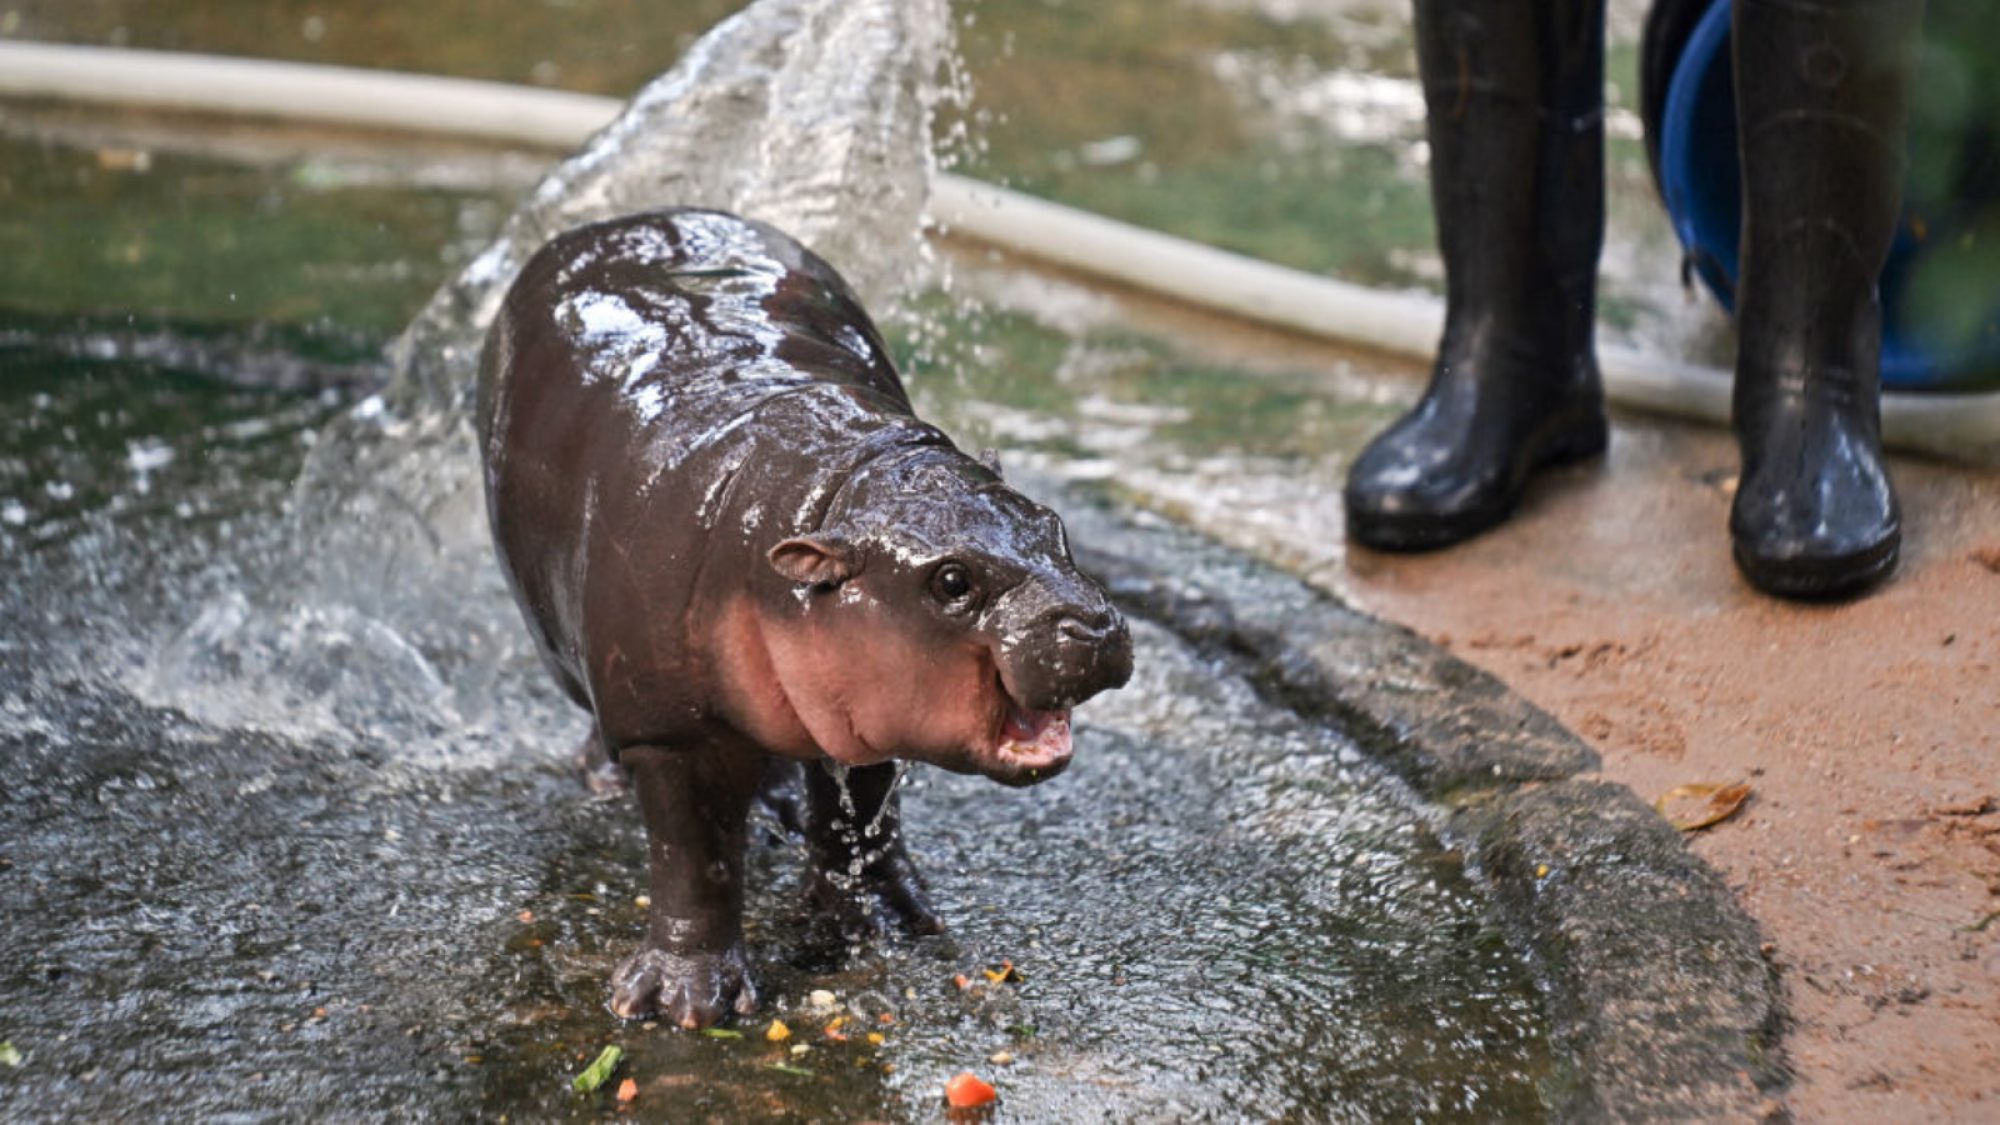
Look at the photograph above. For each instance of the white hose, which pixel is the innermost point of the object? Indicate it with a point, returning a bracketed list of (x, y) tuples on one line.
[(1955, 425), (302, 92)]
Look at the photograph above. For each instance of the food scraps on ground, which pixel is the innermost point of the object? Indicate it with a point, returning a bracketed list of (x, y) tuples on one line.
[(628, 1090), (599, 1072), (1005, 974), (721, 1033), (777, 1032), (967, 1091), (787, 1068)]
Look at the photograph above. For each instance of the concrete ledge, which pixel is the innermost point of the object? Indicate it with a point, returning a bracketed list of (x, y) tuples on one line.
[(1658, 993), (1659, 996)]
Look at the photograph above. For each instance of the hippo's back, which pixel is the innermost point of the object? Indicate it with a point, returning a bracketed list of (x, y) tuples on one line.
[(676, 319)]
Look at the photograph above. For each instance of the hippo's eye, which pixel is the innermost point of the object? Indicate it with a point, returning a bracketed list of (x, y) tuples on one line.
[(952, 583)]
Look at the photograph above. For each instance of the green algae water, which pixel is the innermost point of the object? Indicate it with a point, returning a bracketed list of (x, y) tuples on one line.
[(286, 824)]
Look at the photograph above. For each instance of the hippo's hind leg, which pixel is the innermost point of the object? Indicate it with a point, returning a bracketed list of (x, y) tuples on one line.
[(690, 968), (861, 879)]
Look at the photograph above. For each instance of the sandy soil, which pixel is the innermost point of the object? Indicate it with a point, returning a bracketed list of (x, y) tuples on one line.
[(1868, 731)]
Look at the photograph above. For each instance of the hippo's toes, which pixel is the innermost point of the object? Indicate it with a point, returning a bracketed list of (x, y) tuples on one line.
[(888, 896), (693, 990)]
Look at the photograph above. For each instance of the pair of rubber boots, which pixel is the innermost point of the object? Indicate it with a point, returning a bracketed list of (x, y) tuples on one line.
[(1514, 93)]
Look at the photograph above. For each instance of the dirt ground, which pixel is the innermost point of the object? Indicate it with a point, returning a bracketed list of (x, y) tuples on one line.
[(1869, 733)]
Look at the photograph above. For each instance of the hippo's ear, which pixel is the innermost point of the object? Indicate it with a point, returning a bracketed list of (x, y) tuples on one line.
[(991, 459), (810, 561)]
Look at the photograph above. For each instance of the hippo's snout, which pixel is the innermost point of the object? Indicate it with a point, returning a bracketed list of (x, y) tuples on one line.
[(1074, 652)]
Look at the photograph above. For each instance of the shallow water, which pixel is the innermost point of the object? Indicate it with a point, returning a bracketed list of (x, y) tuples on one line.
[(1220, 911), (288, 831)]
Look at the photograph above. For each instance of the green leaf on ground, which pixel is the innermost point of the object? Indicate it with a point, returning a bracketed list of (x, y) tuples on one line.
[(599, 1072)]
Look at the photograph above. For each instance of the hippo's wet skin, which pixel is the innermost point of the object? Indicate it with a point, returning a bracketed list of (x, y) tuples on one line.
[(736, 545)]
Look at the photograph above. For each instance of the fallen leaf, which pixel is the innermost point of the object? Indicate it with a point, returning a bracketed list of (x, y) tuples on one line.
[(1723, 802)]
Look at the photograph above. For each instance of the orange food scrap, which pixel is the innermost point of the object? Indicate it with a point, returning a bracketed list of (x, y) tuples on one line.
[(968, 1091), (527, 915), (777, 1032), (833, 1031), (885, 1018), (961, 981), (627, 1090)]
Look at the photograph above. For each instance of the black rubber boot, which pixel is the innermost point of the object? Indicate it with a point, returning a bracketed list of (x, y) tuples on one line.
[(1514, 94), (1822, 90)]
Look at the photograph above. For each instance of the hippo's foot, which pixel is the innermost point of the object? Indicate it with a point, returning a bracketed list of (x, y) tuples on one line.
[(602, 776), (692, 990), (886, 897)]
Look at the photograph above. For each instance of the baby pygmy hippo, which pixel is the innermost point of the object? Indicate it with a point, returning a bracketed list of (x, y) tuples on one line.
[(734, 543)]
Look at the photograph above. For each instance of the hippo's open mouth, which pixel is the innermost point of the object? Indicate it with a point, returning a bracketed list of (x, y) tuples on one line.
[(1031, 746)]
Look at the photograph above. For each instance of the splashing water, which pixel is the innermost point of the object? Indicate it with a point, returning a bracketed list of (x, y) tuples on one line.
[(811, 115)]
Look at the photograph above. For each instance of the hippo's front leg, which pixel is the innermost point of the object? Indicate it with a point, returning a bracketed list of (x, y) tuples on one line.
[(690, 968), (862, 879)]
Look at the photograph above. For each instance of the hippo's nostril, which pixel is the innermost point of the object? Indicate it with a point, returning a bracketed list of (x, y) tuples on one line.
[(1093, 627)]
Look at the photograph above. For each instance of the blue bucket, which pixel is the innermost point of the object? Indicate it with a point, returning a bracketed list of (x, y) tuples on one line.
[(1701, 180)]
